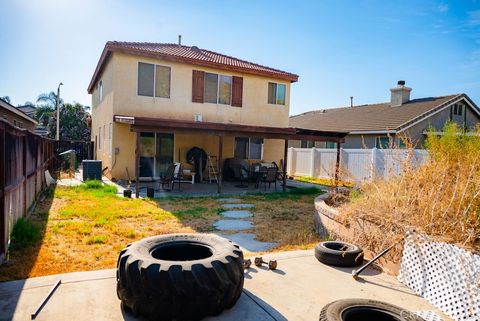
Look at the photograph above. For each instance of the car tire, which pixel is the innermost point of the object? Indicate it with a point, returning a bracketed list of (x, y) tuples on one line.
[(365, 309), (338, 253), (180, 276)]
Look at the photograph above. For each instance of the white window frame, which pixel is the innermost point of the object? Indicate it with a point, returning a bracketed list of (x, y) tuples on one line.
[(276, 91), (248, 147), (218, 88), (155, 80)]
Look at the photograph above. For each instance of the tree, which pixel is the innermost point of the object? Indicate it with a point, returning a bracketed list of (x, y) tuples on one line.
[(74, 121), (49, 99), (6, 99), (47, 108)]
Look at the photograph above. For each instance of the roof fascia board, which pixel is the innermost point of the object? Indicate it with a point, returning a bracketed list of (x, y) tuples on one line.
[(448, 104), (16, 111), (368, 132)]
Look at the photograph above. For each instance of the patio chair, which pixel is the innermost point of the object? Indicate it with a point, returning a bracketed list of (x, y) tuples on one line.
[(241, 174), (168, 177), (270, 177)]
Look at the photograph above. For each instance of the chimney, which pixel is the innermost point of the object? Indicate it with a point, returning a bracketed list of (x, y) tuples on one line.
[(400, 94), (179, 40)]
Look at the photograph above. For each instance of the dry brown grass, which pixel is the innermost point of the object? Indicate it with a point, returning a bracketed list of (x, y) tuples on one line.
[(84, 229), (440, 199)]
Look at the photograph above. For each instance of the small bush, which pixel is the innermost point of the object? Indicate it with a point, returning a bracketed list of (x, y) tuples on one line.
[(24, 234), (92, 184), (97, 187)]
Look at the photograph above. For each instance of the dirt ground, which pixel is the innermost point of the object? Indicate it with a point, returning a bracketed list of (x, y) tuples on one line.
[(83, 228)]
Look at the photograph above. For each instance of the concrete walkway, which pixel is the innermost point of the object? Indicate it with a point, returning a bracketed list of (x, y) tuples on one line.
[(296, 291)]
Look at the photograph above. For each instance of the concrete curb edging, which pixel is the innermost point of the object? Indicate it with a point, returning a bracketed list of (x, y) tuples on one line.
[(328, 224)]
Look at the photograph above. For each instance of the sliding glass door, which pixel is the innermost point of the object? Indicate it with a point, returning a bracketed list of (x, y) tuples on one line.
[(156, 153)]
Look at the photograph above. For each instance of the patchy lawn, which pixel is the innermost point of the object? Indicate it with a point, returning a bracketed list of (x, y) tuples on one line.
[(83, 228)]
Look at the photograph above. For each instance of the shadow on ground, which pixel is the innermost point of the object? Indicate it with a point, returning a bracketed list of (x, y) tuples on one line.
[(23, 253)]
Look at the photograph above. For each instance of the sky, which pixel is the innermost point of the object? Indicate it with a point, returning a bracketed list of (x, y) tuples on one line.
[(338, 48)]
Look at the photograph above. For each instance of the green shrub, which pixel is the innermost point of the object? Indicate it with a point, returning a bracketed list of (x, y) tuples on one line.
[(96, 187), (24, 234)]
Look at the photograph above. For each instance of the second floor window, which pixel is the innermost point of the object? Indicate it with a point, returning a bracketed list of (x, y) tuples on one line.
[(276, 93), (153, 80), (218, 89)]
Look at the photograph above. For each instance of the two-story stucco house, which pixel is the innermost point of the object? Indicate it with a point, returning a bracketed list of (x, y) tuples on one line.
[(392, 123), (152, 102)]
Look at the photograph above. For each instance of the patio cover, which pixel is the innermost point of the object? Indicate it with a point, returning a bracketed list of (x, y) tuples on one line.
[(146, 124)]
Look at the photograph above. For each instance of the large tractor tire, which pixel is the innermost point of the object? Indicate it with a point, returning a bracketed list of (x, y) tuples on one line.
[(338, 253), (180, 276), (365, 309)]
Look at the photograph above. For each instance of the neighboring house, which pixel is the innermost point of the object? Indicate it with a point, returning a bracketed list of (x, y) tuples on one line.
[(163, 99), (16, 117), (28, 109), (390, 124)]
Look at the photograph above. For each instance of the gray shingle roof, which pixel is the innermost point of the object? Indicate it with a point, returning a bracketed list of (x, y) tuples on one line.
[(374, 117)]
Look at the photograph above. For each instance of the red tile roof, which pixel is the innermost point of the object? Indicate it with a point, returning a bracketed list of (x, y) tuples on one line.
[(187, 54)]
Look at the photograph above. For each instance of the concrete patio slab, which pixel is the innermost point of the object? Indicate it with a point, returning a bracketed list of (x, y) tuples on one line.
[(248, 243), (297, 290), (231, 206), (236, 214), (232, 225)]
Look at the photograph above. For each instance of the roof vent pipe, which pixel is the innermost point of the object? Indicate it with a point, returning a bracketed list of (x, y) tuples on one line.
[(179, 40), (351, 101)]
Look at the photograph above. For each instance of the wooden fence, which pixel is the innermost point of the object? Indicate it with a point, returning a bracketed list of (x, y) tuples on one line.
[(24, 157), (356, 165)]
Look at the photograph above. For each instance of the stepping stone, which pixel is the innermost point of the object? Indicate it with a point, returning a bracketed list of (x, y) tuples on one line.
[(229, 200), (247, 242), (230, 206), (237, 214), (232, 225)]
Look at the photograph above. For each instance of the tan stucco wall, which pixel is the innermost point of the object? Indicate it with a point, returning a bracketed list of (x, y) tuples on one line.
[(124, 140), (120, 97), (255, 109), (102, 117)]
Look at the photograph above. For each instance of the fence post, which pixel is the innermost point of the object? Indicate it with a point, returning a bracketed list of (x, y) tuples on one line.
[(312, 162), (374, 163), (289, 161)]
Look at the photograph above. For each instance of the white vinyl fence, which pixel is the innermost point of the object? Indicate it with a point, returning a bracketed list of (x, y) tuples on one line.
[(356, 165)]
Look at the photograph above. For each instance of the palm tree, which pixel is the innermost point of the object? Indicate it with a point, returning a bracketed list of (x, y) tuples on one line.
[(47, 109), (49, 99)]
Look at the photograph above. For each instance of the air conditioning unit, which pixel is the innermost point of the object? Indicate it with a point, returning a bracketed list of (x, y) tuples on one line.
[(198, 118)]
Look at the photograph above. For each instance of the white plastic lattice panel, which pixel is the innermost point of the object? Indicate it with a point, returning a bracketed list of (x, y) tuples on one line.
[(444, 274)]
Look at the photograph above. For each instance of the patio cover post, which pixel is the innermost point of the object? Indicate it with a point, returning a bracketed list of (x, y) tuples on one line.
[(219, 163), (137, 166), (284, 169), (337, 164)]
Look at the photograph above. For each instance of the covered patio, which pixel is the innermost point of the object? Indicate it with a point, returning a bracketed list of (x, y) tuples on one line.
[(219, 131)]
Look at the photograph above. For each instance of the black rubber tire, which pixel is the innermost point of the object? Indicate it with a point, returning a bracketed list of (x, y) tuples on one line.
[(338, 253), (181, 288), (365, 309)]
